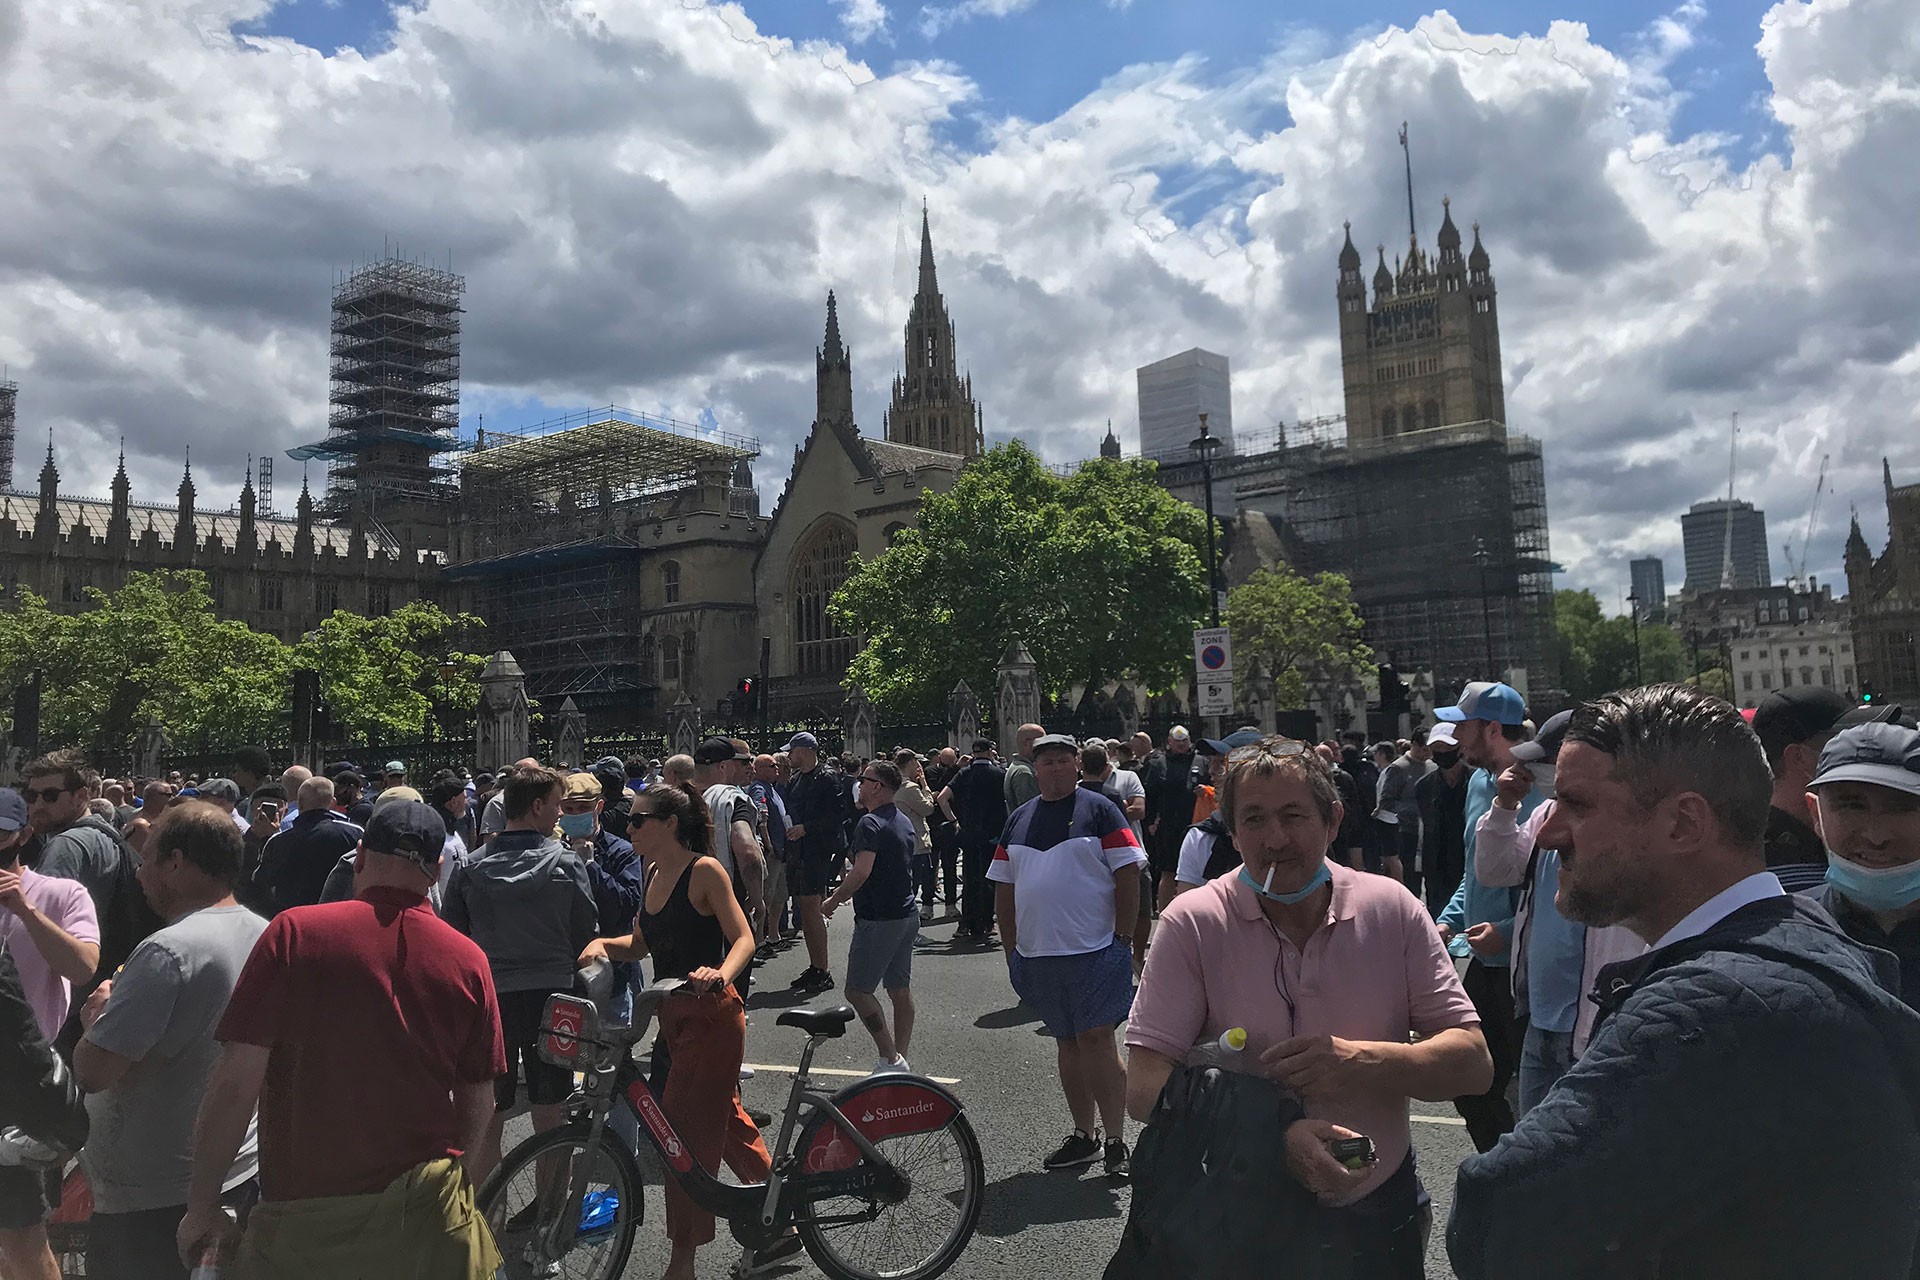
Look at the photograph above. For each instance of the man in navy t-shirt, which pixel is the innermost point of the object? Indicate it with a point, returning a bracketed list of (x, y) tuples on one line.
[(886, 917)]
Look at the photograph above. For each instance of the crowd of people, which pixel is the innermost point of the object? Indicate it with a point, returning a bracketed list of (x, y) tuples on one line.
[(1660, 956)]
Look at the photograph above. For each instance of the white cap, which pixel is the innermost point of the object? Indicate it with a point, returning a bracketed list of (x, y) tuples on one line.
[(1179, 733), (1442, 732)]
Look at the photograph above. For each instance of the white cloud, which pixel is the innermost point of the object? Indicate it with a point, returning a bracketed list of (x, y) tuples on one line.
[(650, 202), (862, 19), (937, 18)]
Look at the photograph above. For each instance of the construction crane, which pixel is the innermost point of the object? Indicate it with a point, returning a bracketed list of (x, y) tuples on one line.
[(1797, 569)]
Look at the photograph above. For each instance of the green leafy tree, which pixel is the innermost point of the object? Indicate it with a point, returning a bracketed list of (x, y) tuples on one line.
[(1298, 628), (151, 651), (1597, 653), (388, 678), (1099, 574)]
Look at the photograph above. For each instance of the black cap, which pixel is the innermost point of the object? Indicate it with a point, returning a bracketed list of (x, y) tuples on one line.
[(1876, 713), (713, 751), (406, 829), (1795, 715), (1885, 755), (1544, 746)]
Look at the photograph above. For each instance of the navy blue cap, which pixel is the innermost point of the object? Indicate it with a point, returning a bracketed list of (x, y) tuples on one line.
[(406, 829), (1544, 747), (13, 810), (801, 739), (1222, 746), (1884, 755)]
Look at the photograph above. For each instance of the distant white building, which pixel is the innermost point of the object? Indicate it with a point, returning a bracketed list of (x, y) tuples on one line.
[(1794, 656), (1174, 393)]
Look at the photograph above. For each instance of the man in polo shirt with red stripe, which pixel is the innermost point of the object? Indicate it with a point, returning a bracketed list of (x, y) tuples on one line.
[(1067, 889)]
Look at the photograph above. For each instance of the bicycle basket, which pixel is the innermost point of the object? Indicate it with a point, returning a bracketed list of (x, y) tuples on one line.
[(570, 1032)]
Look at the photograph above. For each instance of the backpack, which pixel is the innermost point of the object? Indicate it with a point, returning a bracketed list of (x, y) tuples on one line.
[(1224, 857)]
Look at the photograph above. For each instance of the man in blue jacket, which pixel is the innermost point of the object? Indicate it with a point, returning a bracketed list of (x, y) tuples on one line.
[(1749, 1105), (1488, 722)]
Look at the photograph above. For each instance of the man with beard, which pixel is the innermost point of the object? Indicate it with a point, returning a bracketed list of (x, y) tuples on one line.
[(1677, 1146)]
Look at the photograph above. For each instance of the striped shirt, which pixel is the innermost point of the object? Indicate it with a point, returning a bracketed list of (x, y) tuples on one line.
[(1061, 856)]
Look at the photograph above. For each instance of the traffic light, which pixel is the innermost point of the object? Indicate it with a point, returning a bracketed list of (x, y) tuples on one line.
[(746, 691), (1395, 696), (1866, 692)]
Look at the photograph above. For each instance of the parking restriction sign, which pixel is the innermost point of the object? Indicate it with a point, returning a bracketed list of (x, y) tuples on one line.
[(1212, 654)]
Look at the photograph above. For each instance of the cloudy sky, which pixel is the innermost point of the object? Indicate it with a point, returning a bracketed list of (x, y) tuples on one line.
[(1691, 211)]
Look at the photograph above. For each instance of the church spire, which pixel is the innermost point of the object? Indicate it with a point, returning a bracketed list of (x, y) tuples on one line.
[(832, 348), (833, 373), (933, 405)]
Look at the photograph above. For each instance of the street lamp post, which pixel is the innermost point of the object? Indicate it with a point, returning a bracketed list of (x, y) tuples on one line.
[(1486, 615), (1206, 445), (1633, 607)]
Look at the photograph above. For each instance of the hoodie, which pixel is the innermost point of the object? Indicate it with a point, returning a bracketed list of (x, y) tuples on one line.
[(527, 901), (1749, 1106)]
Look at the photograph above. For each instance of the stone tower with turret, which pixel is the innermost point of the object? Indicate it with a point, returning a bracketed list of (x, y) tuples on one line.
[(1425, 352), (933, 405)]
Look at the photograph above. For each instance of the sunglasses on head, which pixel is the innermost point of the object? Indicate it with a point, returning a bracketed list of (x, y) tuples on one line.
[(1280, 750), (49, 794)]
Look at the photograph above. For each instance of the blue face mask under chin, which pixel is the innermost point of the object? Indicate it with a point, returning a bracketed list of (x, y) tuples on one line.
[(1875, 888), (1301, 894), (576, 826)]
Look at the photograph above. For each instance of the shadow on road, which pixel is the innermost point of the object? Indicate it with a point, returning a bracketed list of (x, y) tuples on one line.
[(1000, 1019), (1040, 1197)]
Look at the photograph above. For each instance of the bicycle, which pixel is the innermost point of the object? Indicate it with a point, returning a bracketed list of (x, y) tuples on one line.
[(884, 1158)]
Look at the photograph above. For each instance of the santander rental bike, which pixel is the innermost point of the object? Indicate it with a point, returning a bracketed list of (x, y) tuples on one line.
[(882, 1179)]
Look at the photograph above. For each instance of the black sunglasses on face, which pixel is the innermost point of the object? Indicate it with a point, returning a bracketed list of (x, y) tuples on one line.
[(48, 794)]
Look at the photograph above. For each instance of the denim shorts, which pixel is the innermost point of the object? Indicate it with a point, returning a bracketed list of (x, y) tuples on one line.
[(882, 953), (1076, 994)]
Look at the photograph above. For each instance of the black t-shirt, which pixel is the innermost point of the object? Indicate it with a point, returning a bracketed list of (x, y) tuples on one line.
[(887, 893), (980, 801)]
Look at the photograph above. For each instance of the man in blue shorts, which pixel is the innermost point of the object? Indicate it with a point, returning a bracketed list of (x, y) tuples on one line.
[(1067, 889)]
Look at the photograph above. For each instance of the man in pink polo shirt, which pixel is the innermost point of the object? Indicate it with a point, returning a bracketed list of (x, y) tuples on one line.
[(1330, 971)]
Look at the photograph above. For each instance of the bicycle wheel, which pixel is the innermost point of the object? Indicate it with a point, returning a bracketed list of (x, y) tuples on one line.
[(523, 1200), (921, 1236)]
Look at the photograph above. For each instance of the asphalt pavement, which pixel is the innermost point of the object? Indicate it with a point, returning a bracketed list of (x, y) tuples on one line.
[(972, 1031)]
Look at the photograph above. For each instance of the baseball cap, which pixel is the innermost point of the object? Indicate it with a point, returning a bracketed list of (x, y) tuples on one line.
[(406, 829), (1885, 755), (397, 795), (1875, 713), (13, 810), (348, 778), (1787, 716), (1544, 746), (802, 739), (1442, 734), (1222, 746), (188, 793), (714, 751), (581, 786), (221, 789), (396, 766), (1487, 700), (1065, 741), (1179, 734)]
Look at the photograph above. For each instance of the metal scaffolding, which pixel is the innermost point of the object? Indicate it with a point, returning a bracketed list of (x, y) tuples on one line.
[(9, 394), (394, 405), (551, 523)]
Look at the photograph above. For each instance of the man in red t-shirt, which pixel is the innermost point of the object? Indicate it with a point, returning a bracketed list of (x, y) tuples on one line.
[(369, 1034)]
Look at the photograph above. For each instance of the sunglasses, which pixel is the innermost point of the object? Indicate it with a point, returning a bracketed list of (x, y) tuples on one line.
[(641, 815), (1280, 749), (48, 794), (867, 777)]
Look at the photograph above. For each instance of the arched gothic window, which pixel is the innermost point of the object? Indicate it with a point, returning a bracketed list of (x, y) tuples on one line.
[(819, 569), (670, 582), (670, 660)]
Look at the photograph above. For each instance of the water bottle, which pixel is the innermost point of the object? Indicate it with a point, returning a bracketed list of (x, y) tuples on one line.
[(1225, 1052), (211, 1264)]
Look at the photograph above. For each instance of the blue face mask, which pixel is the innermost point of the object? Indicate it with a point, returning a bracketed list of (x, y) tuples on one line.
[(1875, 888), (1301, 894), (576, 826)]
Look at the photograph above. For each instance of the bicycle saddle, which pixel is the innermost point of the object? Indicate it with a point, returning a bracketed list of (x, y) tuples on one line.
[(818, 1022)]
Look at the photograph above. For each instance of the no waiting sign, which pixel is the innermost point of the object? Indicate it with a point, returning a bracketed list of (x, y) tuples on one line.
[(1212, 654)]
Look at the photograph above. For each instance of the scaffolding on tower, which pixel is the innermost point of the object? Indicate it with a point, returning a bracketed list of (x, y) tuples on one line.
[(9, 394)]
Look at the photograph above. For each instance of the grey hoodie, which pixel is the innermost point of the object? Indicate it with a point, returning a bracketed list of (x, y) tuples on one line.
[(525, 898)]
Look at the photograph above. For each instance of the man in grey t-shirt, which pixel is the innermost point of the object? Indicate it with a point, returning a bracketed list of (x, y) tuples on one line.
[(149, 1047)]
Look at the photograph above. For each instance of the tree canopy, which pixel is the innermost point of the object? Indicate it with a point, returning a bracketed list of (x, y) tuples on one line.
[(1099, 574), (155, 651), (1596, 652), (1298, 628)]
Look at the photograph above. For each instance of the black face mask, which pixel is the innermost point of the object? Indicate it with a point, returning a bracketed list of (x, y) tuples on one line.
[(1446, 759)]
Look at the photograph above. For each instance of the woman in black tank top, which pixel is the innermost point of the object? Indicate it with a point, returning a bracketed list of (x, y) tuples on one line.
[(693, 927)]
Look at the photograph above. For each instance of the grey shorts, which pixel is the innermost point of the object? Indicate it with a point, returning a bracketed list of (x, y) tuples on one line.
[(776, 884), (882, 952)]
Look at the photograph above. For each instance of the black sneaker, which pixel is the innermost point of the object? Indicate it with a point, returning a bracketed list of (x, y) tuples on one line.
[(1119, 1167), (1077, 1152), (807, 978)]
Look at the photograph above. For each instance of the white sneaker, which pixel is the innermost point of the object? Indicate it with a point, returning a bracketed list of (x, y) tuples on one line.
[(746, 1072), (883, 1067)]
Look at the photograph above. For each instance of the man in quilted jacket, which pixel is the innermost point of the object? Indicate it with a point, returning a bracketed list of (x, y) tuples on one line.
[(1749, 1105)]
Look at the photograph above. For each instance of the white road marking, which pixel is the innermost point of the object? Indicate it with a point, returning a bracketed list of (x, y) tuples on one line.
[(1439, 1120), (834, 1071)]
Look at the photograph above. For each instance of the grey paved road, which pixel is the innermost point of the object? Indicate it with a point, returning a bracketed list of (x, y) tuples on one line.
[(971, 1029)]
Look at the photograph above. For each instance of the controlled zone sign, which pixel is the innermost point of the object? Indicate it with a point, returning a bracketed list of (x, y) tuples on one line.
[(1213, 670)]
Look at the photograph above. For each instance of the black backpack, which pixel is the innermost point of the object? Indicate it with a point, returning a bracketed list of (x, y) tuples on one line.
[(1224, 857)]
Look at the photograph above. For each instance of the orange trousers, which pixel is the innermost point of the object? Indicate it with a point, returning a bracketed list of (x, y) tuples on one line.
[(707, 1036)]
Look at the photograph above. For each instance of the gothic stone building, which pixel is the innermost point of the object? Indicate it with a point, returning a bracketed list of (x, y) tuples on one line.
[(1884, 592)]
